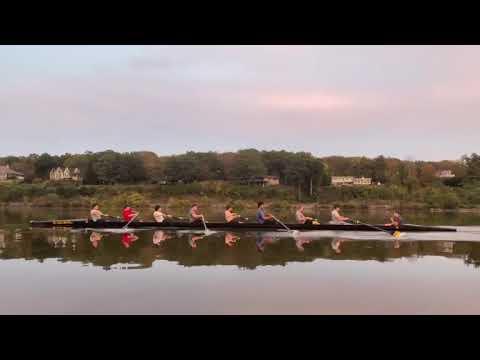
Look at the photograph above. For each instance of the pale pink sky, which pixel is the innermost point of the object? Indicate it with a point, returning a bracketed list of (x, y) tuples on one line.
[(419, 101)]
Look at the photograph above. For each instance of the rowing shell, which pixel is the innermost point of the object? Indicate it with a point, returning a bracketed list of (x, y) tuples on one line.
[(88, 224)]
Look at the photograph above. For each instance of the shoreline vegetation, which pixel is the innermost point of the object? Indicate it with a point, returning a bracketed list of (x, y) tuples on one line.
[(218, 194), (212, 179)]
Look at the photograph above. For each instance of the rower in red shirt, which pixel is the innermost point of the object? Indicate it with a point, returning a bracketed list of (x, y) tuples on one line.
[(128, 213)]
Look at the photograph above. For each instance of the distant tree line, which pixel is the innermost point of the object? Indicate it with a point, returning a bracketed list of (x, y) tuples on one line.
[(300, 169)]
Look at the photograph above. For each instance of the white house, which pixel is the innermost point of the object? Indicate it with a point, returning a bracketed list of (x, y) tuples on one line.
[(60, 174), (6, 173), (350, 180)]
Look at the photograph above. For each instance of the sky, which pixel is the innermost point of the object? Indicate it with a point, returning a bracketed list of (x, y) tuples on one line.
[(410, 102)]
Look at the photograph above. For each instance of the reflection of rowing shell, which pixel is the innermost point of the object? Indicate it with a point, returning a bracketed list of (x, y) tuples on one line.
[(115, 224)]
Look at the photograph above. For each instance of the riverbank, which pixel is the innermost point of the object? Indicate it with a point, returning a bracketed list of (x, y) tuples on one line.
[(218, 194)]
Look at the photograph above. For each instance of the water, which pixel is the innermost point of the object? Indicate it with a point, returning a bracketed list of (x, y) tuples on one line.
[(159, 272)]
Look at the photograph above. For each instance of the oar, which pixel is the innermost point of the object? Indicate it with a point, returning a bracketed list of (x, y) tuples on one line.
[(205, 225), (133, 218), (285, 226), (396, 234)]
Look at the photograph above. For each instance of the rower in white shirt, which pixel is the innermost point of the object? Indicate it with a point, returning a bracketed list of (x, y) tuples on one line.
[(159, 215), (337, 218)]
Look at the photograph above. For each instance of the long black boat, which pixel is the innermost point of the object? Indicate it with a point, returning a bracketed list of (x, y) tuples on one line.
[(117, 224)]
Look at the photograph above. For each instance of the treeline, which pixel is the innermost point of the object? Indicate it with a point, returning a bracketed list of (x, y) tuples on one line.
[(300, 169)]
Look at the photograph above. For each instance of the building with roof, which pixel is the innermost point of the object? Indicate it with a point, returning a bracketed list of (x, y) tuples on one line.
[(6, 173), (350, 180), (61, 174)]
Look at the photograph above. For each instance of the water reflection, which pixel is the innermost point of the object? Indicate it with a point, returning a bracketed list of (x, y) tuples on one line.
[(247, 250), (159, 237), (95, 238), (230, 239)]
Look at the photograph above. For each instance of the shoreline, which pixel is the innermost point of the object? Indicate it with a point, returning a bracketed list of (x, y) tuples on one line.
[(250, 204)]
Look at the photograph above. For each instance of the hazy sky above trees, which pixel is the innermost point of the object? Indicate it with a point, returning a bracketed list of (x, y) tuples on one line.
[(404, 101)]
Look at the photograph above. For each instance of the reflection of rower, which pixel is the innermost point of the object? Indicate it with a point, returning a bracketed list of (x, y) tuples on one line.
[(336, 243), (192, 240), (263, 240), (128, 239), (230, 239), (300, 241), (95, 238), (337, 218), (159, 236)]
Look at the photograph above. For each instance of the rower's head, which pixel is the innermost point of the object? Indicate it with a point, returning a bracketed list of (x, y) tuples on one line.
[(229, 207), (336, 207), (126, 206), (195, 206), (95, 206), (260, 204), (158, 207), (301, 207)]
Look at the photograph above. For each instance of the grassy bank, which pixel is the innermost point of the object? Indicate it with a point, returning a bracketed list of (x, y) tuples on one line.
[(219, 193)]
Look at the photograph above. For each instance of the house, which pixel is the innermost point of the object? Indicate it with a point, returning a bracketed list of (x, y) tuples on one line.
[(350, 180), (60, 174), (6, 173), (445, 174), (362, 181), (260, 180)]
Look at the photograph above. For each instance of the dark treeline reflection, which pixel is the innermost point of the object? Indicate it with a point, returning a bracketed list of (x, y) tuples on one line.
[(244, 250)]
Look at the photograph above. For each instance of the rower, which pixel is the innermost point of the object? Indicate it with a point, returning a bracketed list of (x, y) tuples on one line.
[(195, 216), (263, 218), (230, 216), (301, 218), (159, 215), (128, 213), (337, 218), (95, 213), (395, 220)]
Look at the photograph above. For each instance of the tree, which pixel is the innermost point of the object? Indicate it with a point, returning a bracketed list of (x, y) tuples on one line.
[(248, 163), (44, 163), (472, 164), (427, 174)]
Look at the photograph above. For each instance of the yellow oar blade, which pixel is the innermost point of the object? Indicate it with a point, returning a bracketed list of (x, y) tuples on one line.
[(397, 234)]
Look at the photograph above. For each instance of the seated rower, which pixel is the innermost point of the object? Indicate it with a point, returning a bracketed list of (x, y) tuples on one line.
[(395, 220), (159, 215), (195, 216), (301, 218), (337, 218), (230, 216), (95, 213), (128, 213), (263, 218)]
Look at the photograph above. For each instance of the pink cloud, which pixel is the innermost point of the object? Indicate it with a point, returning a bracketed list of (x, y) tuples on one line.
[(307, 101)]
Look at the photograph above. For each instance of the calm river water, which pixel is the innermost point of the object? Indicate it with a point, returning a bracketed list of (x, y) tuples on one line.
[(158, 272)]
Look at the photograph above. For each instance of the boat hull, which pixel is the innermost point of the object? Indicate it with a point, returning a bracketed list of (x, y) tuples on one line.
[(85, 224)]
